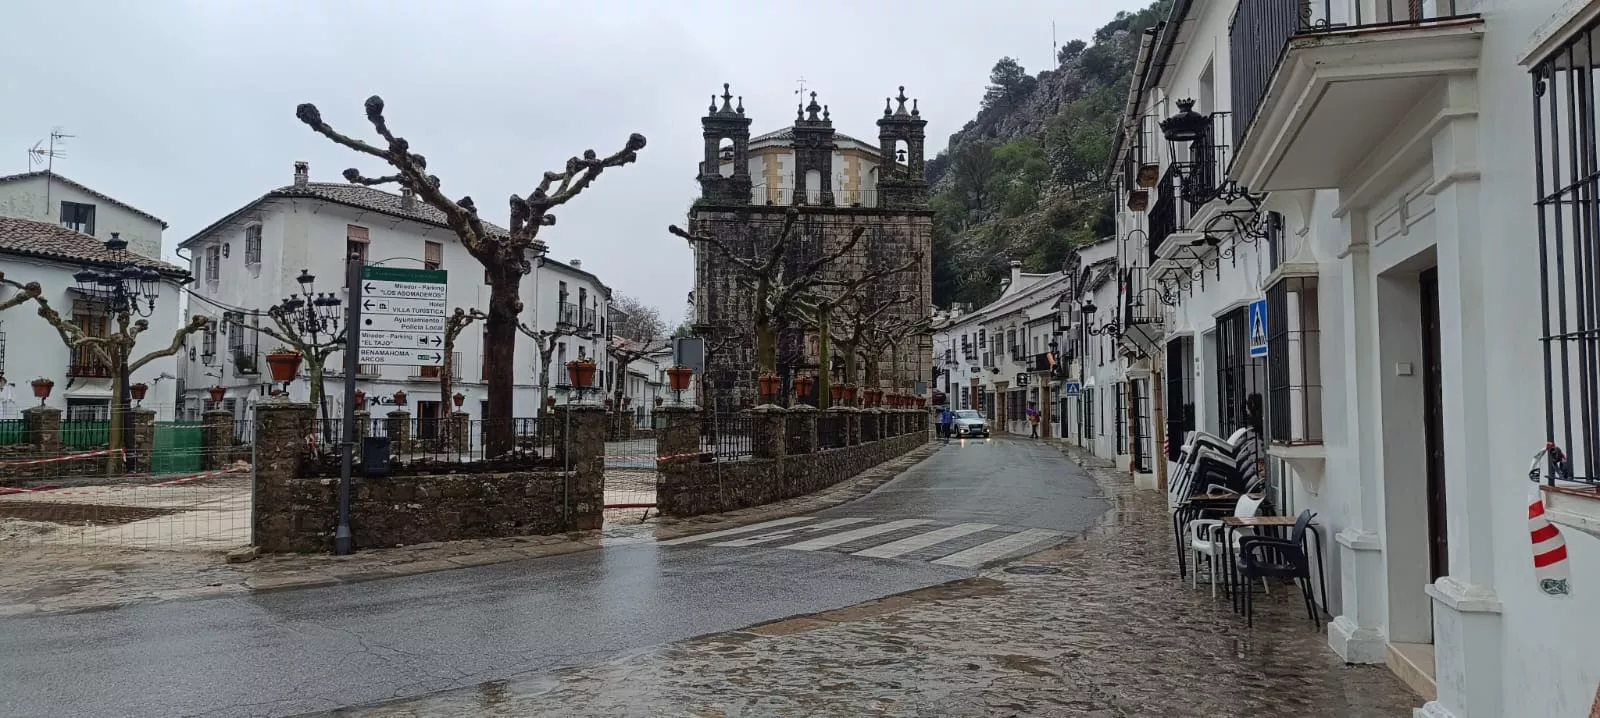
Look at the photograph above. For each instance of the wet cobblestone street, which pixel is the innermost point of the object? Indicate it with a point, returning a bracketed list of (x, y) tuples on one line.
[(1110, 631)]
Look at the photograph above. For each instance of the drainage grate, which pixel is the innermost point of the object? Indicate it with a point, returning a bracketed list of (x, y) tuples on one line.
[(1030, 569)]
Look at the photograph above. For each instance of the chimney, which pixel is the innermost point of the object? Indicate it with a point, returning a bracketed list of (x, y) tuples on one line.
[(408, 199), (302, 173), (1016, 273), (576, 263)]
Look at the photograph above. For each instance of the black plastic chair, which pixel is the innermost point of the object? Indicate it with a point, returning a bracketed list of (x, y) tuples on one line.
[(1272, 557)]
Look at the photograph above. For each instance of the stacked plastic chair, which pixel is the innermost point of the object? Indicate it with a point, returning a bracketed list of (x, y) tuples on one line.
[(1207, 463)]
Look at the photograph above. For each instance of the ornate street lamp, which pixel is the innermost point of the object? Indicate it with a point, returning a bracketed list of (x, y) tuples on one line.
[(313, 315), (126, 289), (1110, 329)]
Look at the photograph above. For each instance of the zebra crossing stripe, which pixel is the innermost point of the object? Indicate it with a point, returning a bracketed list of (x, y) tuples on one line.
[(922, 541), (737, 531), (1000, 547), (844, 537), (789, 532)]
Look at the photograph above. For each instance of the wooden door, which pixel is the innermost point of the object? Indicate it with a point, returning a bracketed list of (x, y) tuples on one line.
[(1433, 429)]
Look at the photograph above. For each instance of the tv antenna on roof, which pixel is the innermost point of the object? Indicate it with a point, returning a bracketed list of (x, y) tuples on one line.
[(802, 91), (46, 155)]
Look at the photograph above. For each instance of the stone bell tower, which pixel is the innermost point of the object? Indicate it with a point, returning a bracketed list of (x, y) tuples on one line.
[(726, 123), (813, 152), (901, 186)]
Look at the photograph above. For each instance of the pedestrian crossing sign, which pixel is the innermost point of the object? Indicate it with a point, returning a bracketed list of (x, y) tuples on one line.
[(1258, 328)]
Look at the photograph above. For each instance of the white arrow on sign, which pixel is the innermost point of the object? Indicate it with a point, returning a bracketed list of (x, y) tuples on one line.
[(400, 305), (402, 290), (407, 340), (400, 355)]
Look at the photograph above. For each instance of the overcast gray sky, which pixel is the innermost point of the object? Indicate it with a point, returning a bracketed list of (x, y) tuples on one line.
[(186, 108)]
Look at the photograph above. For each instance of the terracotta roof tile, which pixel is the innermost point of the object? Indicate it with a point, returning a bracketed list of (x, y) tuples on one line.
[(43, 239), (372, 198), (56, 177)]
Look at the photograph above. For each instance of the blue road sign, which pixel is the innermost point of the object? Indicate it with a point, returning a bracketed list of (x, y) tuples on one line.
[(1072, 388), (1258, 328)]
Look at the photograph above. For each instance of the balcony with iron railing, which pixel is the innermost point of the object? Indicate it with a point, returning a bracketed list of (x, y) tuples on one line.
[(1317, 85), (87, 365), (784, 196), (1169, 213)]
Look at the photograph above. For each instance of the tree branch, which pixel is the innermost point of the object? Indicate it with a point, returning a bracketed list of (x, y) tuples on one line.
[(196, 323)]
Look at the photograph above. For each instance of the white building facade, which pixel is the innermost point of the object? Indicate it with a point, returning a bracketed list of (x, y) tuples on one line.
[(30, 348), (49, 197), (1408, 188), (251, 260)]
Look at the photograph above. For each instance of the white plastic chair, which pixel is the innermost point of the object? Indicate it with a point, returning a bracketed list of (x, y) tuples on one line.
[(1205, 535)]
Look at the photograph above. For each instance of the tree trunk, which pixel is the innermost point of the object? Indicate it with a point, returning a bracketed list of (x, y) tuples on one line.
[(114, 461), (824, 362), (766, 330), (544, 376), (848, 349), (446, 382), (500, 331)]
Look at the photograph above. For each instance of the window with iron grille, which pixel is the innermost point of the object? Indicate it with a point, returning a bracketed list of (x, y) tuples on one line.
[(1294, 362), (1180, 394), (1086, 413), (432, 255), (242, 347), (1141, 439), (1567, 183), (1120, 416), (252, 244), (213, 264), (1241, 378)]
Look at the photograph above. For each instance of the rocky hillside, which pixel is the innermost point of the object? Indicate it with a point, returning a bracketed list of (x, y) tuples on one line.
[(1024, 179)]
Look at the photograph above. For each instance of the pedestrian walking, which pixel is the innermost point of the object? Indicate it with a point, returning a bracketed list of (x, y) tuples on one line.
[(946, 419), (1033, 419)]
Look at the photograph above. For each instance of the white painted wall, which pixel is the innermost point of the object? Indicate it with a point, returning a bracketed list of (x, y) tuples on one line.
[(33, 348), (25, 197), (310, 234)]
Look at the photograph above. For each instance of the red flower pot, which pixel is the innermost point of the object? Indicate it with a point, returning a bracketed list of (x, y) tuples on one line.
[(769, 384), (137, 391), (41, 389), (399, 398), (361, 399), (549, 401), (837, 392), (459, 399), (580, 372), (284, 365), (802, 386), (678, 377), (849, 392), (216, 394)]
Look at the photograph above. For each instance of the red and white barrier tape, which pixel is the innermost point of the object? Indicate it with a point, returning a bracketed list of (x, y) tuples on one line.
[(70, 457)]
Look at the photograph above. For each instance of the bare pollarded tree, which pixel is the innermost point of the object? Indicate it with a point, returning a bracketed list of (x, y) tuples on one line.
[(505, 257)]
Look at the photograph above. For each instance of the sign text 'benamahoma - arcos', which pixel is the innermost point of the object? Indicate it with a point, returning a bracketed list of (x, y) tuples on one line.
[(402, 316)]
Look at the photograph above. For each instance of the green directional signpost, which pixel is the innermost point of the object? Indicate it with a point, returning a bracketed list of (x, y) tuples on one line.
[(394, 317), (403, 314)]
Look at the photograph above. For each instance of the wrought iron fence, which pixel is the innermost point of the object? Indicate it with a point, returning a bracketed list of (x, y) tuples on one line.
[(728, 436), (830, 430), (421, 445)]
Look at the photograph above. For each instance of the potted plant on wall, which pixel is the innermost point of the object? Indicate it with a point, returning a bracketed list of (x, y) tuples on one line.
[(769, 384), (41, 389), (1139, 200), (459, 399), (580, 371), (217, 393), (137, 391), (284, 363), (361, 399), (400, 398), (1149, 174)]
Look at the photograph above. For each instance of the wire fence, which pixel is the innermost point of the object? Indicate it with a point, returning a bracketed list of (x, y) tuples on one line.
[(171, 491), (830, 430)]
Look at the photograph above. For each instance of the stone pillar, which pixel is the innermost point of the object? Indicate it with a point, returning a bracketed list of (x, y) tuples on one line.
[(802, 429), (43, 425), (581, 445), (871, 424), (399, 428), (144, 438), (852, 425), (678, 442), (363, 430), (461, 432), (281, 428), (769, 431), (216, 439)]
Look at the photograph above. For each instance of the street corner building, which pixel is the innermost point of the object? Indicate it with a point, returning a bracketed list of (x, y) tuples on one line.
[(1356, 242), (835, 183)]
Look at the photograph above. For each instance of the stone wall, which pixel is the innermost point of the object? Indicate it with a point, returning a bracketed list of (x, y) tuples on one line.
[(690, 487), (298, 513), (414, 509), (723, 302)]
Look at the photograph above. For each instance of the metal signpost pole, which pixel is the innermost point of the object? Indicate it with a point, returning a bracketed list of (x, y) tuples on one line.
[(352, 340)]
